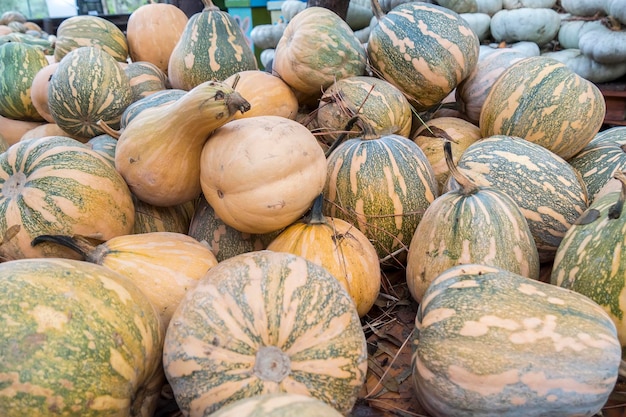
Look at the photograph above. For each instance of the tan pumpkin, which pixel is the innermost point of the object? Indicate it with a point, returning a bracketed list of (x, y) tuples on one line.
[(152, 32), (266, 93), (47, 129), (165, 265), (261, 173), (12, 130), (39, 90), (339, 247)]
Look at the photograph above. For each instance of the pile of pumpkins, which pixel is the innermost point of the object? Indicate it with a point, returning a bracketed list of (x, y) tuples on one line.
[(172, 216)]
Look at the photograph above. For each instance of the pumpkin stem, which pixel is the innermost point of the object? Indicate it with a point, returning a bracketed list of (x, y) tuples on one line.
[(467, 186), (108, 129), (349, 125), (316, 215), (80, 246), (616, 210), (209, 6), (377, 10)]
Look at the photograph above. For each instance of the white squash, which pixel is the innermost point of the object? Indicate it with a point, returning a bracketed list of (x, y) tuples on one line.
[(571, 30), (587, 67), (616, 9), (584, 7), (536, 4), (480, 23), (604, 45), (459, 6), (490, 7), (525, 24), (526, 48)]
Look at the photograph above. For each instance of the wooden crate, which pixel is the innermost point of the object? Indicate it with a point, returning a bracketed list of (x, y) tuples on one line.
[(615, 97)]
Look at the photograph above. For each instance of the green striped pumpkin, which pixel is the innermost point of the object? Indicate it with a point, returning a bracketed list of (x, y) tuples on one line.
[(57, 185), (472, 224), (424, 49), (167, 96), (547, 189), (598, 161), (375, 100), (145, 79), (590, 259), (77, 339), (265, 322), (225, 241), (278, 405), (88, 86), (19, 63), (211, 47), (105, 145), (151, 218), (382, 185), (543, 101), (489, 342), (88, 30)]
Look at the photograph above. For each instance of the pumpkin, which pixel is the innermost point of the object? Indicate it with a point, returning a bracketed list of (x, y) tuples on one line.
[(57, 185), (93, 31), (19, 63), (158, 98), (548, 190), (589, 259), (588, 68), (429, 138), (491, 342), (526, 48), (469, 225), (616, 9), (376, 101), (265, 322), (145, 79), (584, 7), (338, 52), (543, 101), (277, 405), (147, 39), (224, 240), (266, 93), (165, 265), (571, 30), (46, 129), (535, 4), (77, 339), (266, 36), (276, 182), (604, 45), (539, 25), (459, 6), (601, 158), (39, 90), (480, 23), (423, 49), (471, 93), (12, 130), (381, 184), (340, 248), (158, 152), (150, 218), (75, 105), (489, 7), (211, 47)]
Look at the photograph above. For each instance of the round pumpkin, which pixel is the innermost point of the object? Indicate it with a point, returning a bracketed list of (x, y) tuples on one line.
[(340, 248), (265, 322), (150, 218), (267, 94), (276, 182), (490, 342), (39, 91), (543, 101), (277, 405), (145, 79), (147, 39), (57, 185), (423, 49), (77, 339)]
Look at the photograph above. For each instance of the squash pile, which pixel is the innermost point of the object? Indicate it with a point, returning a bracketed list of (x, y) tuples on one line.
[(174, 217)]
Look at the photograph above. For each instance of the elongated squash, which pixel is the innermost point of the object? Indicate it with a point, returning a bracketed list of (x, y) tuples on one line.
[(489, 342)]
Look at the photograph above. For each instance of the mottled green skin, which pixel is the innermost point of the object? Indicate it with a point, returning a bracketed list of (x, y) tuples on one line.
[(57, 185), (211, 47), (598, 161), (225, 241), (151, 218), (382, 186), (76, 339), (87, 30), (485, 227), (255, 300), (424, 49), (19, 63), (159, 98), (548, 190), (590, 259), (491, 343), (88, 86), (278, 405), (543, 101), (105, 145), (145, 79)]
